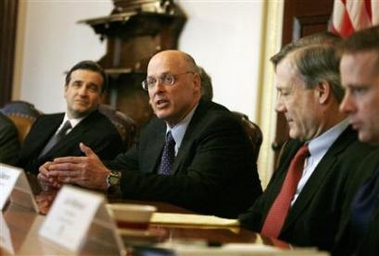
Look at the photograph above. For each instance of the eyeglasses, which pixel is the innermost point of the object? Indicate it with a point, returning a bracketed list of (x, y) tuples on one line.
[(165, 79)]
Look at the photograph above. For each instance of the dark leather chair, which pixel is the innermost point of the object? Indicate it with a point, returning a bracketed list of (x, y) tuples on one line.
[(124, 124), (253, 131), (23, 114)]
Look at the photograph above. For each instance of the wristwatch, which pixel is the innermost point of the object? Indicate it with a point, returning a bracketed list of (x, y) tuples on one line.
[(113, 180)]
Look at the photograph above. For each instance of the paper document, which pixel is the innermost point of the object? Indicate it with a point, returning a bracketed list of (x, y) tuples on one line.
[(191, 219)]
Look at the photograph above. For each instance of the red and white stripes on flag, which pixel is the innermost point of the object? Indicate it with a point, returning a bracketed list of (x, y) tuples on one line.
[(351, 15)]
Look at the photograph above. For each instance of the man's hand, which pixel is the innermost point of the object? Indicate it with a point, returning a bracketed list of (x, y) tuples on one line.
[(46, 182), (45, 199), (86, 171)]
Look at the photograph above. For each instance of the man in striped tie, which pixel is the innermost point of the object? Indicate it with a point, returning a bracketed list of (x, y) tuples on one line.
[(359, 232), (302, 202)]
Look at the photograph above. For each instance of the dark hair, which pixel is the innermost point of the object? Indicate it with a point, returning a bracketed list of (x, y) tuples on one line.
[(362, 40), (92, 66), (321, 38), (317, 63)]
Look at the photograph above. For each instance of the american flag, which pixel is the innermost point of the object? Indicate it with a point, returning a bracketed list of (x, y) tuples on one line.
[(351, 15)]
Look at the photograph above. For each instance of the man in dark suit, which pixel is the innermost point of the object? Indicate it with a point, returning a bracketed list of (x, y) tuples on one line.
[(9, 141), (212, 171), (359, 232), (309, 93), (84, 87)]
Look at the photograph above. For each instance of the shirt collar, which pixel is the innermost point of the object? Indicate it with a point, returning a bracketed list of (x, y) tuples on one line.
[(322, 143), (180, 129), (74, 121)]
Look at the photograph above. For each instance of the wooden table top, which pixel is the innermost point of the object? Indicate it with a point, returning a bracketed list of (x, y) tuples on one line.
[(23, 226)]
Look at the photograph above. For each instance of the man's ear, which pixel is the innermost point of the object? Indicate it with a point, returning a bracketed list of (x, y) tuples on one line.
[(197, 81), (324, 91)]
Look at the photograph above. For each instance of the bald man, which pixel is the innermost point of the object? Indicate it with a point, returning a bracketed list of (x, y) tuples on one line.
[(212, 170)]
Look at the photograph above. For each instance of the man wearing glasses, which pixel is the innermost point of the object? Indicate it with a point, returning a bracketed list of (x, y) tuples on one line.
[(193, 154)]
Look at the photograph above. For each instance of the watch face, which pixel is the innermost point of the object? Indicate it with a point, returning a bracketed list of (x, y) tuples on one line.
[(113, 179)]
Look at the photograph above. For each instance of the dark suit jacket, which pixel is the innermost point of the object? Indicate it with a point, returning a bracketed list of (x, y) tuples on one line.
[(95, 131), (314, 217), (348, 242), (9, 142), (213, 172)]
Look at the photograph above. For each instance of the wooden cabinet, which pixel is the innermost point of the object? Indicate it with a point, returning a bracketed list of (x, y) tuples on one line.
[(134, 31), (8, 25)]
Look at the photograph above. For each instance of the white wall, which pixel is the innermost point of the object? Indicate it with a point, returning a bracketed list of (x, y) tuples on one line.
[(226, 37), (54, 42), (223, 36)]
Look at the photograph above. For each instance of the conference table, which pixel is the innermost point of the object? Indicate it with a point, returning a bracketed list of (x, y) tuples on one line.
[(22, 225)]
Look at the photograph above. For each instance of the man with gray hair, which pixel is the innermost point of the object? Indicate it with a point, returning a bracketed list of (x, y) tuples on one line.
[(302, 202)]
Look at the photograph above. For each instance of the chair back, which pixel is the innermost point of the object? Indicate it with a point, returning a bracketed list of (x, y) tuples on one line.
[(253, 131), (23, 114), (124, 124)]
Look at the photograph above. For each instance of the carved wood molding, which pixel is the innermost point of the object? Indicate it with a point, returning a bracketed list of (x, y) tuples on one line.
[(8, 27)]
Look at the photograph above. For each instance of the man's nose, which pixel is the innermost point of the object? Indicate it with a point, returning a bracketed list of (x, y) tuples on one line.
[(347, 104)]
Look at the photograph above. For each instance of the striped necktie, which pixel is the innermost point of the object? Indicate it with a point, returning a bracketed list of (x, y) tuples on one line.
[(56, 138), (168, 156)]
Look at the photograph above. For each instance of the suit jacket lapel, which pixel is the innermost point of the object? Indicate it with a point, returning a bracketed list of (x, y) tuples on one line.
[(189, 135), (75, 133), (319, 175), (157, 149), (44, 132), (155, 140)]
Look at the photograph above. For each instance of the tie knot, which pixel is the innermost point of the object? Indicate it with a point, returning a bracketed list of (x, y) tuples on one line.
[(65, 128), (303, 151), (169, 139)]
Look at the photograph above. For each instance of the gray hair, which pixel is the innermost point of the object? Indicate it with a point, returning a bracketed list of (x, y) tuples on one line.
[(321, 38), (318, 63)]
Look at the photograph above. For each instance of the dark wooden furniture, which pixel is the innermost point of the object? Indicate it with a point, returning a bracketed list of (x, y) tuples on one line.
[(23, 114), (253, 131), (124, 124), (8, 25), (134, 31)]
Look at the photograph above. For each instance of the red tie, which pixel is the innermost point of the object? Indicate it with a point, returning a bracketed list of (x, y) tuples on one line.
[(279, 209)]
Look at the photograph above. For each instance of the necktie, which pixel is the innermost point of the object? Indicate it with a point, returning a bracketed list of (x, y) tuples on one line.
[(279, 209), (168, 156), (56, 137)]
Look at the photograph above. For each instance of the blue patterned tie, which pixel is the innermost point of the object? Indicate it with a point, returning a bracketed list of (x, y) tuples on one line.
[(168, 155)]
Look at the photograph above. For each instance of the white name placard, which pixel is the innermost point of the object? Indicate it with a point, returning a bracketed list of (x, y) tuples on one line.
[(70, 218), (14, 184), (8, 178), (5, 235)]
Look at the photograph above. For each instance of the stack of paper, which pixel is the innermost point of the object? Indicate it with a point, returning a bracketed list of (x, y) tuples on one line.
[(191, 219)]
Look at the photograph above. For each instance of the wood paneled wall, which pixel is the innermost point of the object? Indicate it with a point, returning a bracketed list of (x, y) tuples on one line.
[(8, 27)]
